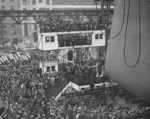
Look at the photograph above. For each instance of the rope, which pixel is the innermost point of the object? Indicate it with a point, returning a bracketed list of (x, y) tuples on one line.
[(139, 53), (123, 18)]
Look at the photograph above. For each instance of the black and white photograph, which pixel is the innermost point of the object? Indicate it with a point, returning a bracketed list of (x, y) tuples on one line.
[(74, 59)]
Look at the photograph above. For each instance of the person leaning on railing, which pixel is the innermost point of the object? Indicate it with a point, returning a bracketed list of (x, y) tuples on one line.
[(58, 25)]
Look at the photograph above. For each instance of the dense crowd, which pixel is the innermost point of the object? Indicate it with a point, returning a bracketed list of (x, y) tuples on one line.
[(104, 112), (26, 92), (59, 25), (87, 68), (74, 40)]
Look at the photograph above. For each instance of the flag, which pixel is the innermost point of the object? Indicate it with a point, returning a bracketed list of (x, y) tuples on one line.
[(6, 58), (28, 55), (23, 57), (11, 56), (1, 60), (18, 54), (16, 57)]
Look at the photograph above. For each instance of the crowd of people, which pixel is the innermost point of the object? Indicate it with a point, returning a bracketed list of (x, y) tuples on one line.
[(53, 24), (26, 89), (87, 68), (104, 112), (26, 92), (74, 40)]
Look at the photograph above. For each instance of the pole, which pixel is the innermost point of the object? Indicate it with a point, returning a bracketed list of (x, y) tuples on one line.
[(42, 54), (102, 13), (107, 24), (1, 30), (108, 12), (97, 11)]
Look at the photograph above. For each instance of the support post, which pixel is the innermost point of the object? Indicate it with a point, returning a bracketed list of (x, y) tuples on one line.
[(1, 31)]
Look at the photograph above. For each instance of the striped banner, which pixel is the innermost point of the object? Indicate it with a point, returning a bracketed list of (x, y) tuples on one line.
[(11, 56), (28, 55), (16, 57), (1, 60)]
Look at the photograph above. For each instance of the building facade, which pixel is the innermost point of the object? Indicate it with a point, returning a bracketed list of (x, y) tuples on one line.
[(26, 29), (51, 5), (9, 30)]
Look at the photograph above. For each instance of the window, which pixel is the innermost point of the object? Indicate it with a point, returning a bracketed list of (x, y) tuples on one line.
[(40, 0), (25, 18), (12, 7), (48, 2), (43, 8), (4, 25), (24, 8), (2, 7), (24, 2), (101, 36), (48, 69), (47, 39), (35, 36), (11, 0), (52, 39), (13, 32), (70, 55), (53, 68), (13, 25), (35, 27), (15, 41), (33, 8), (33, 2), (5, 33), (25, 29), (96, 36)]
